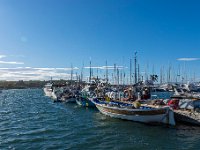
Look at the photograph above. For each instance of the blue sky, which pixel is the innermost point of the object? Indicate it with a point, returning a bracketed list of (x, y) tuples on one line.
[(58, 33)]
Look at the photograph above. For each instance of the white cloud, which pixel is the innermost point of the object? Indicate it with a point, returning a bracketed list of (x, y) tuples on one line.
[(188, 59), (28, 73), (2, 56), (106, 67), (11, 62), (66, 69)]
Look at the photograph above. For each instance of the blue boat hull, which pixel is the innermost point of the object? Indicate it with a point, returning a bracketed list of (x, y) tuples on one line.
[(85, 102)]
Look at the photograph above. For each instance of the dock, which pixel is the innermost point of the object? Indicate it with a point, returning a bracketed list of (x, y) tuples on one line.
[(188, 117)]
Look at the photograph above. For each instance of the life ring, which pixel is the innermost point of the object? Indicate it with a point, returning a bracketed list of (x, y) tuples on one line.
[(128, 93)]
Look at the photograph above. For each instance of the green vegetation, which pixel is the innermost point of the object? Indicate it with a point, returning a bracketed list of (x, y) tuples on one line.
[(32, 84), (21, 84)]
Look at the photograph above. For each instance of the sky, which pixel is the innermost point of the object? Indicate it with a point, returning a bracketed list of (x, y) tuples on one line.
[(44, 38)]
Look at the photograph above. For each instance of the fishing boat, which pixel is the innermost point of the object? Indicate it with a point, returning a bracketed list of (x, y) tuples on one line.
[(145, 114), (68, 99), (69, 95), (57, 93), (85, 96), (84, 101), (64, 94), (48, 89)]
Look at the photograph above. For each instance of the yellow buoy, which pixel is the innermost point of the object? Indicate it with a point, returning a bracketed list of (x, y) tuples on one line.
[(107, 98), (136, 104)]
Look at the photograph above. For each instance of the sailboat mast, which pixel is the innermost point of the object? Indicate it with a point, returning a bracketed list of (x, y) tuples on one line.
[(161, 76), (138, 73), (71, 72), (135, 67), (121, 82), (124, 78), (130, 71), (82, 72), (51, 80), (90, 71), (115, 74), (170, 73), (97, 73), (106, 72)]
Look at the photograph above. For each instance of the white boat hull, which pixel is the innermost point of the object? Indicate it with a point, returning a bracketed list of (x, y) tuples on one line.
[(164, 115), (53, 95), (47, 92)]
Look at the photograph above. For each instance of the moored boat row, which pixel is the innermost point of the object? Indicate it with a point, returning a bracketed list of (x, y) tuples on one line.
[(126, 102)]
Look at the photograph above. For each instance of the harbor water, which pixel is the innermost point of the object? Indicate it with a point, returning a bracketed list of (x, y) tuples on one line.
[(29, 120)]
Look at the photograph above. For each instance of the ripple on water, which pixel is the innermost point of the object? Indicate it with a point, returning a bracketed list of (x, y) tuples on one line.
[(29, 120)]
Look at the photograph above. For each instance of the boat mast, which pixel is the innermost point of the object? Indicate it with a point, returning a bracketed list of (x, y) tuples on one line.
[(82, 72), (145, 73), (130, 71), (106, 72), (161, 76), (169, 73), (123, 74), (76, 76), (97, 73), (121, 78), (71, 72), (112, 78), (115, 74), (124, 78), (51, 80), (138, 73), (90, 71), (135, 67), (179, 73)]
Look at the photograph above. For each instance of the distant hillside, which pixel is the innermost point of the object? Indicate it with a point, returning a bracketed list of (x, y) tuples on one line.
[(21, 84), (27, 84)]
